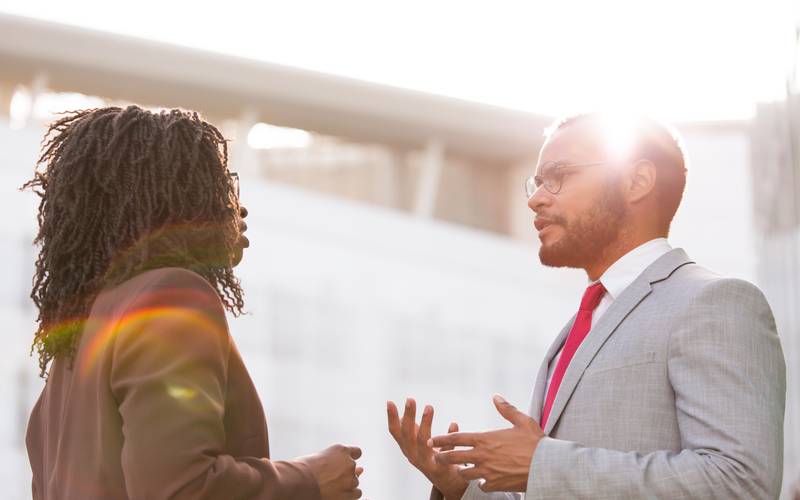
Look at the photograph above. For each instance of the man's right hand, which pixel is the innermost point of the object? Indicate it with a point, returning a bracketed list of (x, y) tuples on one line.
[(413, 441), (335, 470)]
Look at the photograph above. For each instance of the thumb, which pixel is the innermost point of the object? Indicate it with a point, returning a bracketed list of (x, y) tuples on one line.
[(509, 411)]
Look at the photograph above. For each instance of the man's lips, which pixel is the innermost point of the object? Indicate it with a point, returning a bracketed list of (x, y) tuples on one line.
[(540, 223)]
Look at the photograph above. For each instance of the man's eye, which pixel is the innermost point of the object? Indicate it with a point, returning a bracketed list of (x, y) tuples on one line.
[(554, 176)]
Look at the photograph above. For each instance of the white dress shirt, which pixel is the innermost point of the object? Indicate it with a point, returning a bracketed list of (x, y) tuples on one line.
[(616, 279)]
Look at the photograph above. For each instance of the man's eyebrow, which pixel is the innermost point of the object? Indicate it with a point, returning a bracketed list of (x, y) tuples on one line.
[(550, 166)]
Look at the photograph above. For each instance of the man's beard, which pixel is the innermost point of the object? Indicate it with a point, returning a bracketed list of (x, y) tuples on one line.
[(589, 235)]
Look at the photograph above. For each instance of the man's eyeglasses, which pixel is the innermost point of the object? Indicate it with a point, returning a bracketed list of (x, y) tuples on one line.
[(234, 178), (553, 174)]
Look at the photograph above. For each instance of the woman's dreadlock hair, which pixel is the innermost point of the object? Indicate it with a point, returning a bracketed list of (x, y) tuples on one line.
[(123, 191)]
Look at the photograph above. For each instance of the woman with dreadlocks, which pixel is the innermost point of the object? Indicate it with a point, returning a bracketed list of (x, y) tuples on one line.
[(146, 395)]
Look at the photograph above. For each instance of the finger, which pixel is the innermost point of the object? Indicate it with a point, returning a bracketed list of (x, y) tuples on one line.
[(356, 493), (471, 473), (509, 411), (424, 433), (408, 422), (457, 457), (455, 439), (394, 420), (488, 486), (453, 428), (355, 452), (359, 471)]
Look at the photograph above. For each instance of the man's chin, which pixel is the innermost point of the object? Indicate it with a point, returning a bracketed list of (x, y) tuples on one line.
[(555, 257)]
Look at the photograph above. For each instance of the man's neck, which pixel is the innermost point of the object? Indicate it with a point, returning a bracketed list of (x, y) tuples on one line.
[(615, 251)]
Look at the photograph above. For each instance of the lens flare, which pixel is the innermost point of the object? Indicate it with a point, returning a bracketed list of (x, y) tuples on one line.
[(619, 130), (138, 320), (180, 392)]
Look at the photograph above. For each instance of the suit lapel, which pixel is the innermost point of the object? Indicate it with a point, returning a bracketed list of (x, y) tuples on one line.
[(627, 301), (541, 378)]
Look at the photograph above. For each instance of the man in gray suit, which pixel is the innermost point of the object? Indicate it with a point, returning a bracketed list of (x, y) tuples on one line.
[(669, 382)]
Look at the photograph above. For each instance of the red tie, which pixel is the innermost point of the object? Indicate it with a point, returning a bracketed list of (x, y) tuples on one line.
[(582, 325)]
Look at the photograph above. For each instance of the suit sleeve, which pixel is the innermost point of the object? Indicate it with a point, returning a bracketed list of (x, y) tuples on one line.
[(727, 370), (169, 378), (474, 492)]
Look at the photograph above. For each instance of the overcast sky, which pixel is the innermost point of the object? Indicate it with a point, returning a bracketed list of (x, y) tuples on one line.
[(681, 59)]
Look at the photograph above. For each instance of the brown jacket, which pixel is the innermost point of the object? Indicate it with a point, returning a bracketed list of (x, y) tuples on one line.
[(158, 405)]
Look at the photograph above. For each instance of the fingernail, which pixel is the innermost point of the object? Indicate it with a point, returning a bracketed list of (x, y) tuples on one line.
[(500, 399), (428, 410), (430, 442)]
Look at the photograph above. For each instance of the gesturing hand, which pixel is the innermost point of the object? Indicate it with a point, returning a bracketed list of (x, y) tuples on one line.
[(336, 472), (501, 458), (413, 441)]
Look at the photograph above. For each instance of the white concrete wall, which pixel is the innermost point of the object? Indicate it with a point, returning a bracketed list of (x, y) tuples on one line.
[(351, 305)]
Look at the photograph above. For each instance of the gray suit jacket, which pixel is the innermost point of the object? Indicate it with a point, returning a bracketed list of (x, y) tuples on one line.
[(677, 392)]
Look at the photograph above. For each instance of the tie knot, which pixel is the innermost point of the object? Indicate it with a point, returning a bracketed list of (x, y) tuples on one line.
[(592, 297)]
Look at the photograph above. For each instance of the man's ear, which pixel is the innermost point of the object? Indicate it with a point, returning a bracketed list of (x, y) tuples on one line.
[(641, 180)]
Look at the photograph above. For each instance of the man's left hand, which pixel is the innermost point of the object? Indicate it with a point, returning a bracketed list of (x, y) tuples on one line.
[(501, 458)]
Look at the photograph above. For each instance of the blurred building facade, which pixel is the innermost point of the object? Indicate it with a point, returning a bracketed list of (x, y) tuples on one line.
[(392, 250), (776, 189)]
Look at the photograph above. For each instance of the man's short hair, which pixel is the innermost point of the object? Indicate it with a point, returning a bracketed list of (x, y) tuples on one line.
[(652, 140)]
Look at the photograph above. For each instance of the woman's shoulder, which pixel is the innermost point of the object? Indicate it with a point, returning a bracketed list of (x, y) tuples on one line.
[(165, 277), (165, 285)]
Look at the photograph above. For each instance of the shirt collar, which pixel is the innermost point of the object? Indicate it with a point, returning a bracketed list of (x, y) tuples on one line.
[(628, 267)]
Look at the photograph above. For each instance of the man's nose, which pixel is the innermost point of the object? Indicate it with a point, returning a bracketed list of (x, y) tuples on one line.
[(540, 199)]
